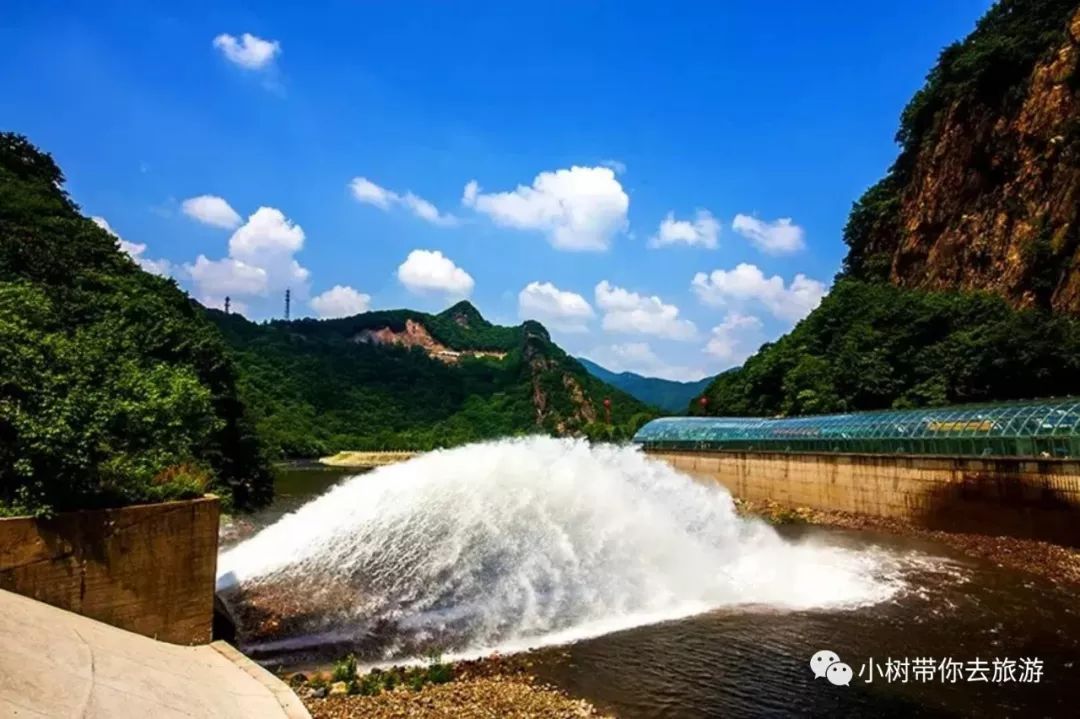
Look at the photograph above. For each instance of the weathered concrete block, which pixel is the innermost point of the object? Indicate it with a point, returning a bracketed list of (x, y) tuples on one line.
[(149, 568)]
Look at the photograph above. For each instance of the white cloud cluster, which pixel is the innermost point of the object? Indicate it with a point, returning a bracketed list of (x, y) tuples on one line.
[(226, 277), (249, 52), (630, 312), (367, 192), (261, 260), (639, 357), (581, 208), (780, 237), (340, 301), (426, 271), (747, 282), (737, 337), (135, 251), (702, 231), (211, 210), (558, 309)]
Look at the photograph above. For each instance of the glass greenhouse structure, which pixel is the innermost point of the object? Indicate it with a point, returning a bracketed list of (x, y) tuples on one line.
[(1044, 428)]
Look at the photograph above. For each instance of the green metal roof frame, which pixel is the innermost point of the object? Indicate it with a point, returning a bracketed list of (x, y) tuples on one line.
[(1038, 428)]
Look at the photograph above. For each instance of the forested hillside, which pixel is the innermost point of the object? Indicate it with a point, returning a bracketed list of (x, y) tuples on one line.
[(668, 395), (962, 279), (113, 386), (409, 380)]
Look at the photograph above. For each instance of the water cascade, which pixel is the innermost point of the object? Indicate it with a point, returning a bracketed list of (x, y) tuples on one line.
[(523, 542)]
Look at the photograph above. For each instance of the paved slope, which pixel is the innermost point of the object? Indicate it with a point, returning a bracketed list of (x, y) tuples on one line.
[(55, 664)]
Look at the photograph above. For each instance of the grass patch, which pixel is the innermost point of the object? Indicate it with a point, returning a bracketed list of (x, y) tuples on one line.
[(435, 671)]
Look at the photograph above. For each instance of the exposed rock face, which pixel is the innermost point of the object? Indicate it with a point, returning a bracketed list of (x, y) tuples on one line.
[(992, 202), (416, 335)]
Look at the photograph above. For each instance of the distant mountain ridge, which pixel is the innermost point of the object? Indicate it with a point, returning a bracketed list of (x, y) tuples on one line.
[(402, 379), (668, 395)]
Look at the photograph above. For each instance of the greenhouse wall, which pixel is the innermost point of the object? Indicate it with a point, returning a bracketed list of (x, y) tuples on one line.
[(1035, 499), (1040, 429)]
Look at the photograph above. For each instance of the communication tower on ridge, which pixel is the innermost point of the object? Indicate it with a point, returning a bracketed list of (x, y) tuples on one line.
[(227, 303), (287, 305)]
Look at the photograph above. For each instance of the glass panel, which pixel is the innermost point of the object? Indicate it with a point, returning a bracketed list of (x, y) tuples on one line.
[(995, 429)]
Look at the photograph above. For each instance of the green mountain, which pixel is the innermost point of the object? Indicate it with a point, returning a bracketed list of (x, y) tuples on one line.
[(668, 395), (113, 386), (962, 279), (409, 380)]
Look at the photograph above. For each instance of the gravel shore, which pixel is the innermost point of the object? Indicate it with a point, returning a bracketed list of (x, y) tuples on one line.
[(494, 687), (476, 698), (1057, 563)]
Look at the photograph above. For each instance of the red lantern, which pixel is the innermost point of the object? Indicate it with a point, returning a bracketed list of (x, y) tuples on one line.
[(704, 402), (607, 408)]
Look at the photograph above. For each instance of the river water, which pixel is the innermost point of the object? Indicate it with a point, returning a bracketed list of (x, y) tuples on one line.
[(754, 659)]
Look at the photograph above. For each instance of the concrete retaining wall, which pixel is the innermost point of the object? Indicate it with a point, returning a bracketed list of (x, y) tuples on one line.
[(1038, 499), (149, 569)]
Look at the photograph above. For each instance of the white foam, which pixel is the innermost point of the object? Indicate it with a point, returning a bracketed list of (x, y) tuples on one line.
[(534, 541)]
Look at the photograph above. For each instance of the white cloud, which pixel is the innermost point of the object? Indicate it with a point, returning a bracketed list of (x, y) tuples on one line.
[(559, 309), (367, 192), (703, 230), (780, 237), (639, 357), (747, 282), (737, 337), (581, 208), (211, 210), (616, 165), (340, 301), (267, 231), (135, 251), (630, 312), (225, 277), (249, 52), (426, 271), (260, 260)]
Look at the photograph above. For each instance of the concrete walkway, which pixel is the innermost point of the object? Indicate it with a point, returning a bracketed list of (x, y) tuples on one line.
[(55, 664)]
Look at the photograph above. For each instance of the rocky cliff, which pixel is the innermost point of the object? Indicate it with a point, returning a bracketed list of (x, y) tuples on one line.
[(962, 279), (986, 191)]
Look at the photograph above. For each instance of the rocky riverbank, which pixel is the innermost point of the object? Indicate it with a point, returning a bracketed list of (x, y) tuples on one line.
[(495, 686), (1057, 563)]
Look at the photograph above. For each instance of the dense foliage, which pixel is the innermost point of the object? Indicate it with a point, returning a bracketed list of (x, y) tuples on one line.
[(314, 389), (113, 387), (984, 74), (668, 395), (873, 346)]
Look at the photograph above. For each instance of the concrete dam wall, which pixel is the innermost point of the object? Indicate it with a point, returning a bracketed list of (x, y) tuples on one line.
[(148, 568), (1029, 498)]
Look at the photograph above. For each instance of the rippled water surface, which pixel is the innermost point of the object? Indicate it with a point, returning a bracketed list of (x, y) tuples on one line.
[(776, 600), (748, 663)]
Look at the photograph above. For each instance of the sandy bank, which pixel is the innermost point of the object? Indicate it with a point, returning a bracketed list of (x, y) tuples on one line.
[(360, 460)]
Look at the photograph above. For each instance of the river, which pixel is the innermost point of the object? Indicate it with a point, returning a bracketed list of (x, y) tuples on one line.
[(753, 660)]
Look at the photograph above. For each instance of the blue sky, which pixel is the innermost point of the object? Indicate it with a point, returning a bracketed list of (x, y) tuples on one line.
[(359, 128)]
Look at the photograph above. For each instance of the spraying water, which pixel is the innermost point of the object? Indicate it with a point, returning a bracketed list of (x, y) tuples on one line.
[(519, 543)]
